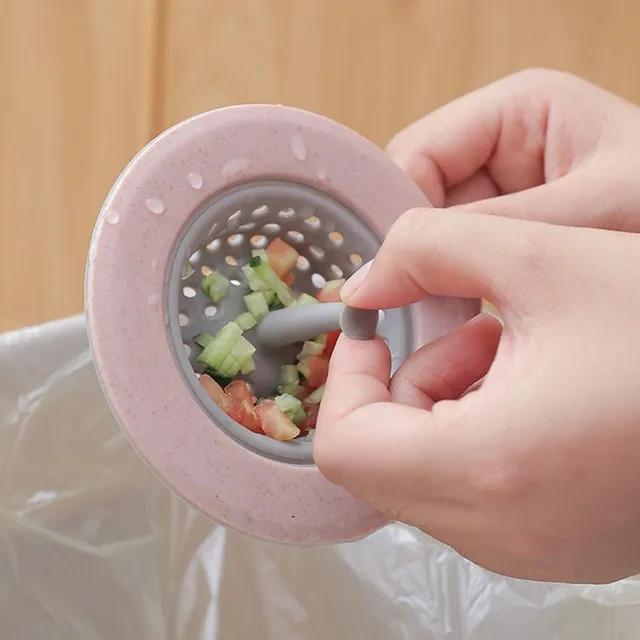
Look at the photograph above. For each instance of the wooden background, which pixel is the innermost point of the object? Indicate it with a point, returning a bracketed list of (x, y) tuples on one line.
[(86, 83)]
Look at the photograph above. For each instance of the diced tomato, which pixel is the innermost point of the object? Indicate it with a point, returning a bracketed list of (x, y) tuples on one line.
[(238, 389), (331, 291), (233, 408), (213, 389), (239, 392), (288, 279), (332, 338), (318, 371), (275, 423), (282, 256), (311, 418)]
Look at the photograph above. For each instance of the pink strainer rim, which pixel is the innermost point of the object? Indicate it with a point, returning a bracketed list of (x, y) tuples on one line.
[(142, 217)]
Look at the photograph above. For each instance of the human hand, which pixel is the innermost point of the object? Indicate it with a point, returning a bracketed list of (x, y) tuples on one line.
[(540, 145), (536, 473)]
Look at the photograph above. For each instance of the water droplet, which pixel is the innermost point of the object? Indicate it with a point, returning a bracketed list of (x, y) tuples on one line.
[(235, 166), (195, 180), (154, 205), (154, 298), (321, 175), (154, 266), (298, 147), (111, 217)]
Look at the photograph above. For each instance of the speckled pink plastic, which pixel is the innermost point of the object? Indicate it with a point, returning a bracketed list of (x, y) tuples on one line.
[(135, 233)]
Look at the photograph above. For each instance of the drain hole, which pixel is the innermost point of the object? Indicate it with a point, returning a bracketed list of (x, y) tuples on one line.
[(336, 237), (260, 211), (195, 257), (258, 242), (355, 259), (295, 236), (336, 271), (318, 281), (183, 319), (234, 219), (272, 227), (210, 311), (302, 264), (205, 270), (189, 292), (247, 227), (235, 283), (230, 260), (215, 245), (235, 240), (313, 222), (317, 252), (287, 213)]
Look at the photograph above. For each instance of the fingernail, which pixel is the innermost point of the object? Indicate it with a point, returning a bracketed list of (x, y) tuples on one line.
[(355, 281)]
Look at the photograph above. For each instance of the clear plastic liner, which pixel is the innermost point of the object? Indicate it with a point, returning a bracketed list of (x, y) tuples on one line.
[(94, 547)]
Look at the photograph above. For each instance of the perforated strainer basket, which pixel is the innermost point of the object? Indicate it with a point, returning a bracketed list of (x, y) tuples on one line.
[(205, 194)]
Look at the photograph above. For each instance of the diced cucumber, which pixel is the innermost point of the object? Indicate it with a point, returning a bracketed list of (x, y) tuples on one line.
[(294, 390), (304, 300), (215, 285), (188, 271), (310, 348), (291, 407), (241, 352), (248, 367), (321, 339), (269, 296), (303, 368), (246, 321), (269, 276), (289, 374), (217, 350), (262, 254), (256, 305), (316, 396), (203, 339), (253, 280)]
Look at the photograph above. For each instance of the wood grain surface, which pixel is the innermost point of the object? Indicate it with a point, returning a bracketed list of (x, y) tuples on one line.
[(76, 78), (85, 83)]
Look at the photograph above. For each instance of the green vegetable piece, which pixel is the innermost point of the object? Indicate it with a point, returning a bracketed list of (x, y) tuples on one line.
[(256, 305), (316, 396), (246, 321), (203, 339), (215, 285), (289, 374)]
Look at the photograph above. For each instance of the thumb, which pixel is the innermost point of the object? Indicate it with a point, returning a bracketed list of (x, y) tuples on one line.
[(459, 254)]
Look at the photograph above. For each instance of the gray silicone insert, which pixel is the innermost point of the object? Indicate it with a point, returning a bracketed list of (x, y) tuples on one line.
[(332, 241)]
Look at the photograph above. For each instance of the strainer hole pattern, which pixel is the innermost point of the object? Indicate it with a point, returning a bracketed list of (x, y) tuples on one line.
[(341, 197)]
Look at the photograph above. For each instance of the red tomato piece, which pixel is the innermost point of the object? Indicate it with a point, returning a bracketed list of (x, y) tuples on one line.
[(311, 418), (213, 389), (288, 279), (275, 423), (282, 256), (332, 338), (318, 371), (233, 408), (238, 391), (331, 291)]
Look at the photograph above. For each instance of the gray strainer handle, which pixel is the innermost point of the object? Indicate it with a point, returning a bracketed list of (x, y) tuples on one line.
[(297, 324)]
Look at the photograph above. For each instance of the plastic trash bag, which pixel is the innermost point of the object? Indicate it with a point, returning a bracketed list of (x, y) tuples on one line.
[(93, 547)]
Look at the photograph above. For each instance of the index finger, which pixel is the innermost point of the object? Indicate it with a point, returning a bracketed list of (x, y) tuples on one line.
[(501, 128), (374, 447)]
